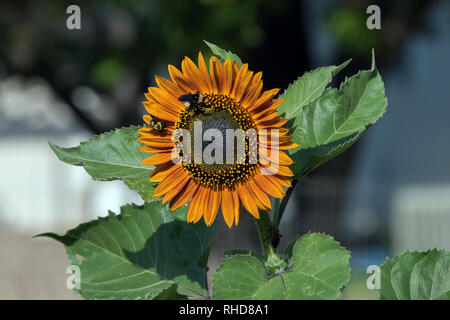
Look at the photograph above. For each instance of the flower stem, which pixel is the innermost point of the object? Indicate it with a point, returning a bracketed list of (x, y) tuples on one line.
[(264, 227), (276, 211), (284, 202)]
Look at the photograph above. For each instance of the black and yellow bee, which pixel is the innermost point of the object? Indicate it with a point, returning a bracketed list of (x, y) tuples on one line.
[(194, 103), (191, 100), (157, 125)]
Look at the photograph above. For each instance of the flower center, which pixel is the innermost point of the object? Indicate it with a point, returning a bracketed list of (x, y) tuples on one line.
[(225, 116)]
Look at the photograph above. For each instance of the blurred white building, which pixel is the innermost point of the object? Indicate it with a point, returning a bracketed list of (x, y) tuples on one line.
[(401, 180), (38, 192)]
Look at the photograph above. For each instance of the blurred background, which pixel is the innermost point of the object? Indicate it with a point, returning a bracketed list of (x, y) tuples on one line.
[(388, 193)]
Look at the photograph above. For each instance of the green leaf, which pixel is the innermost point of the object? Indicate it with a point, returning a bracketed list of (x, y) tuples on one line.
[(334, 121), (243, 252), (387, 290), (143, 253), (223, 54), (170, 293), (430, 278), (304, 179), (416, 276), (113, 156), (306, 89), (401, 274), (320, 269), (239, 277)]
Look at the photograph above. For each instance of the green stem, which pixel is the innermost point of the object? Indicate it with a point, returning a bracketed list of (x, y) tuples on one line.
[(264, 227), (276, 211), (283, 204)]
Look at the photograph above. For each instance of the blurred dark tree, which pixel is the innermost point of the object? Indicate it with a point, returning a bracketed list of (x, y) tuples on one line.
[(122, 44)]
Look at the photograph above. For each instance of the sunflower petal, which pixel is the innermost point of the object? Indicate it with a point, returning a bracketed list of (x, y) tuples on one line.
[(184, 195), (170, 181), (228, 207), (178, 77), (215, 70), (227, 77), (246, 198), (158, 158), (204, 72), (191, 72), (177, 188), (214, 202), (194, 205)]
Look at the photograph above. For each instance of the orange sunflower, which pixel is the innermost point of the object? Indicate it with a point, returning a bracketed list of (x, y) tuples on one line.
[(234, 99)]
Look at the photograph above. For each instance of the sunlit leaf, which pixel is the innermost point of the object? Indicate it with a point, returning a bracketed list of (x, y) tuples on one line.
[(112, 156), (223, 54), (143, 253), (416, 276), (306, 89), (319, 270), (334, 121)]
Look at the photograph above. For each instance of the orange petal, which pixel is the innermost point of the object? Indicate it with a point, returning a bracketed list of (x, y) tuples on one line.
[(192, 73), (238, 81), (203, 203), (260, 194), (184, 196), (283, 181), (195, 203), (213, 207), (152, 140), (269, 186), (170, 181), (204, 72), (152, 149), (247, 200), (264, 116), (160, 112), (166, 99), (169, 86), (229, 206), (215, 70), (178, 77), (274, 123), (157, 143), (227, 80), (158, 158), (266, 107), (265, 97), (276, 144), (177, 188), (274, 156), (162, 171), (279, 170)]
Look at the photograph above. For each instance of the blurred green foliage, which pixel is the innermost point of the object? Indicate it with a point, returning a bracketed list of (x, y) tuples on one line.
[(348, 25), (121, 36)]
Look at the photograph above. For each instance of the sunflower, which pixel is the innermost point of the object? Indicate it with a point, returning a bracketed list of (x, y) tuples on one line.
[(234, 99)]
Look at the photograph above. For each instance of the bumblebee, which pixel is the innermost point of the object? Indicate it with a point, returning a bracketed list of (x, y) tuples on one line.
[(191, 101), (157, 125), (194, 103)]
